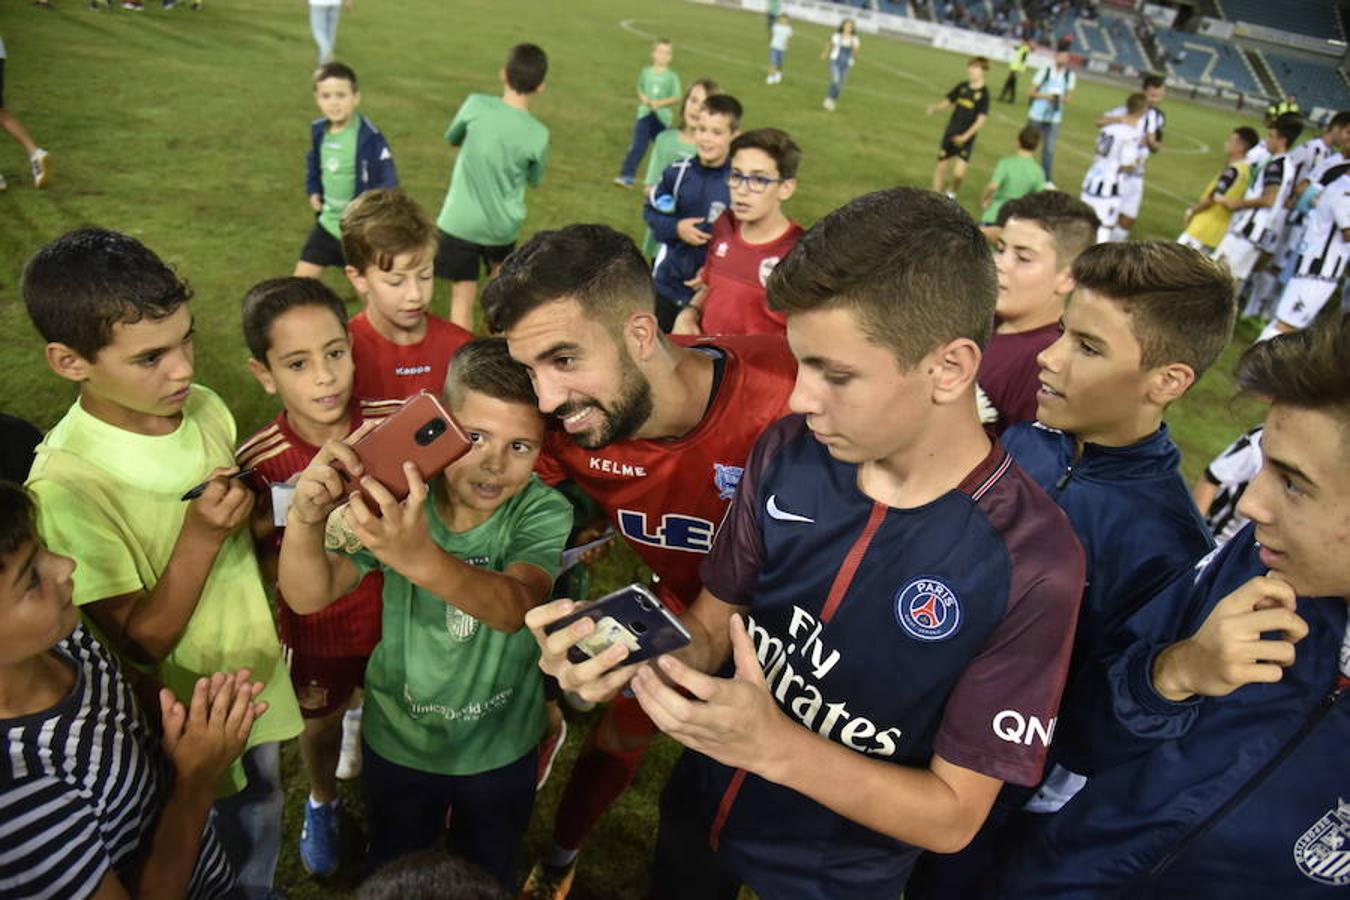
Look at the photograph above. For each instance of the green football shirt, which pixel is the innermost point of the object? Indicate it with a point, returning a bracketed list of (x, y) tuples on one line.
[(1015, 176), (659, 85), (669, 147), (444, 692), (337, 167), (502, 150)]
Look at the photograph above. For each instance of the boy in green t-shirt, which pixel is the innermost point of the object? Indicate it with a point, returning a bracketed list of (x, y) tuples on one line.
[(502, 149), (1014, 176), (171, 583), (658, 91), (347, 157), (454, 700)]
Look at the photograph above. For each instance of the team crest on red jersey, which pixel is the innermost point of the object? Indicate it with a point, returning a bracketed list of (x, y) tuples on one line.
[(725, 479), (928, 609)]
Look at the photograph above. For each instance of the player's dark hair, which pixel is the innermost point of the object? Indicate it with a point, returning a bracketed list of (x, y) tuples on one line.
[(268, 300), (383, 224), (485, 365), (1288, 126), (1072, 224), (595, 265), (1248, 136), (336, 70), (526, 67), (1309, 369), (909, 263), (1136, 104), (1153, 80), (663, 40), (725, 105), (1180, 302), (18, 519), (777, 144), (87, 281), (1029, 138), (981, 61), (431, 875), (1340, 120), (840, 29), (710, 88)]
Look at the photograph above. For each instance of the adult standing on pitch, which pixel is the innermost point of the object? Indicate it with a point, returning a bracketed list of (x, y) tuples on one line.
[(842, 52), (1016, 66), (1051, 89), (323, 23)]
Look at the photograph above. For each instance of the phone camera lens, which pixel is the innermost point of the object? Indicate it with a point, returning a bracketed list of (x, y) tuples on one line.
[(638, 627), (644, 604), (429, 432)]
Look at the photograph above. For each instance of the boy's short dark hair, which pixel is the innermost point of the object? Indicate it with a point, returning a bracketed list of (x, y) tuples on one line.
[(485, 365), (267, 300), (87, 281), (1153, 80), (526, 66), (335, 70), (431, 873), (1135, 104), (1288, 126), (981, 61), (1248, 136), (777, 144), (1072, 224), (1340, 120), (18, 520), (599, 267), (910, 263), (1029, 138), (383, 224), (1309, 369), (1180, 302), (724, 105)]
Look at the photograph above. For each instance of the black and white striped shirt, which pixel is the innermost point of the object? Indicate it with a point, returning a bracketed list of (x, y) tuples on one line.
[(1231, 472), (81, 788)]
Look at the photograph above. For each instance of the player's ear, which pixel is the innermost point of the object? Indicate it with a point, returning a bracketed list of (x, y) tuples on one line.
[(67, 363), (263, 374), (953, 368), (358, 280), (642, 334), (786, 189), (1169, 381), (1064, 283)]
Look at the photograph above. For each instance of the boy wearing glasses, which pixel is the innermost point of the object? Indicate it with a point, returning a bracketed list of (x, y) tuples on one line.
[(746, 246)]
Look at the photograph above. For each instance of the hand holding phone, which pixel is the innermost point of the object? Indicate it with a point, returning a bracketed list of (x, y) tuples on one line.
[(632, 617)]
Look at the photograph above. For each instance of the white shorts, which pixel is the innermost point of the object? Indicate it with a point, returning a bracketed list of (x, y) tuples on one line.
[(1303, 299), (1131, 195), (1186, 239), (1106, 208), (1240, 254)]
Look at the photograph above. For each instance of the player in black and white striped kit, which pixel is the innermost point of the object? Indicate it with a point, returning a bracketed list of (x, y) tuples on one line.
[(1254, 213), (1150, 126), (1322, 256), (1224, 482), (92, 802), (1118, 150)]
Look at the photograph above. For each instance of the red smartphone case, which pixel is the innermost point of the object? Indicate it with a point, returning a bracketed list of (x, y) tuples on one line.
[(422, 432)]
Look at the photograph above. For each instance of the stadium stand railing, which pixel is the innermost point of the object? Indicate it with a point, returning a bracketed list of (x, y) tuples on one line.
[(1315, 84), (1205, 60)]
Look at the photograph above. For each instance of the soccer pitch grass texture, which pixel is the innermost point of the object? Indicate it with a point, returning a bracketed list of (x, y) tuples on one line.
[(189, 130)]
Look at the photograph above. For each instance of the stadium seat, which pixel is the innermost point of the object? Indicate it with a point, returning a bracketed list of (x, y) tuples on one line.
[(1312, 17), (1314, 83), (1205, 60)]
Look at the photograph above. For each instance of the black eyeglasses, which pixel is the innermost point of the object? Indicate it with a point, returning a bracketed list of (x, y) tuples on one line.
[(756, 184)]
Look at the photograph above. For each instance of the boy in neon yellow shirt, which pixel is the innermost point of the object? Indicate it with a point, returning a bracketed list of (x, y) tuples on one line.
[(1207, 220)]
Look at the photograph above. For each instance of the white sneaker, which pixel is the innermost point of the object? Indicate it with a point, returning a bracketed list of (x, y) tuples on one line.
[(829, 104), (42, 169), (1049, 186), (4, 185), (349, 759)]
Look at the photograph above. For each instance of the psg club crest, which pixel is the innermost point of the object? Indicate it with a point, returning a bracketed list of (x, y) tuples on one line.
[(725, 479), (928, 609), (1323, 851)]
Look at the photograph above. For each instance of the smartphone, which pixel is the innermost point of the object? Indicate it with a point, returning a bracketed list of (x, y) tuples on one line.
[(632, 616), (422, 432)]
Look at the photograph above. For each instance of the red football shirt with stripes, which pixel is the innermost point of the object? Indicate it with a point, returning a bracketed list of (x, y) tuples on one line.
[(351, 626), (667, 497), (386, 370), (736, 273)]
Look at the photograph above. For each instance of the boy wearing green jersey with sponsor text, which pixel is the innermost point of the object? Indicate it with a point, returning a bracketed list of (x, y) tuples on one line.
[(454, 706), (658, 92)]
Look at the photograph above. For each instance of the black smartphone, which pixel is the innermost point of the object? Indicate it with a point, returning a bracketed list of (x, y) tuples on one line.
[(632, 616)]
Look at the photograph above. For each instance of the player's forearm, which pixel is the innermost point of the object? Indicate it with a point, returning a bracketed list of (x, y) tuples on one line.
[(708, 620), (909, 804), (159, 617), (305, 573), (496, 599), (176, 843)]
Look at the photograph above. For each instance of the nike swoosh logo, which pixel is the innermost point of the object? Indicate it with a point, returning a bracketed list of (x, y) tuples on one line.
[(782, 515)]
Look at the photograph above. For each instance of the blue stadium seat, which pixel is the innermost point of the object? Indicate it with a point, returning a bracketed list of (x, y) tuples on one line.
[(1314, 83), (1206, 60), (900, 8), (1313, 17)]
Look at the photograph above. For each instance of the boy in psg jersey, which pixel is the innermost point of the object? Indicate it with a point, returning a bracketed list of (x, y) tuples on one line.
[(892, 597), (655, 429)]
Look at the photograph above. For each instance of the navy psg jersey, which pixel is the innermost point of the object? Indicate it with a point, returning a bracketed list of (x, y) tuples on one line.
[(900, 633)]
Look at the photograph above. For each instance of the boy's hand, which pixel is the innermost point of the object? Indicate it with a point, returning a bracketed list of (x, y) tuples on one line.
[(1228, 651), (320, 488), (597, 679), (690, 233), (398, 536), (203, 740), (316, 202), (222, 508), (687, 321)]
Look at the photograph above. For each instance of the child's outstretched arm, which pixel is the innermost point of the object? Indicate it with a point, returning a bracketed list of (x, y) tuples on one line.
[(309, 577)]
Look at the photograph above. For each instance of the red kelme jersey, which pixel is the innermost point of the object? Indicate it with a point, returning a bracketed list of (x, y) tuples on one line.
[(351, 626), (385, 370), (736, 273), (667, 497)]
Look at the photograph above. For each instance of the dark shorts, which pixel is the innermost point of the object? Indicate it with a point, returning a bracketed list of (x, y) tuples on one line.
[(324, 684), (2, 82), (460, 260), (948, 149), (322, 249)]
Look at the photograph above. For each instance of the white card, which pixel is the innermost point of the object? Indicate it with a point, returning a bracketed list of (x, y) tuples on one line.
[(282, 495)]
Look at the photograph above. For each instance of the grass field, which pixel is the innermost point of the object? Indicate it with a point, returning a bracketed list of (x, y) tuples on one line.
[(189, 130)]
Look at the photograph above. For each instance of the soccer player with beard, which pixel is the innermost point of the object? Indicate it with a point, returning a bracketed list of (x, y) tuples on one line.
[(655, 429)]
